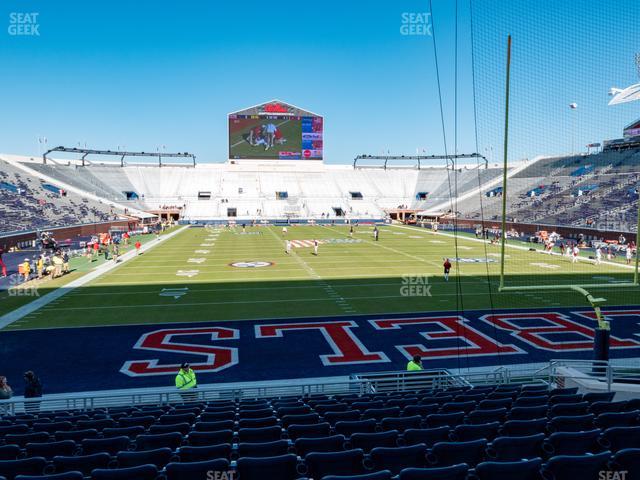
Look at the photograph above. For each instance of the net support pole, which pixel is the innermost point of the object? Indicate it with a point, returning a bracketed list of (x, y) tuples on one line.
[(635, 275), (504, 176)]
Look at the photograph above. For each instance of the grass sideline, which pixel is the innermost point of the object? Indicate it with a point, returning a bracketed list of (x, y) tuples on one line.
[(190, 278), (79, 266)]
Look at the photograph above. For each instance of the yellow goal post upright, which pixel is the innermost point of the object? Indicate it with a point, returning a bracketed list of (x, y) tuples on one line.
[(578, 287)]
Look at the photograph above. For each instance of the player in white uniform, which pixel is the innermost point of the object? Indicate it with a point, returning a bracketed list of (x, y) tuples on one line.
[(315, 247), (629, 254), (287, 246), (284, 230), (576, 252), (598, 255)]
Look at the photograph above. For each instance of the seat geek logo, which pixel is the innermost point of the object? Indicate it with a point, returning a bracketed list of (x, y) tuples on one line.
[(24, 24), (415, 23)]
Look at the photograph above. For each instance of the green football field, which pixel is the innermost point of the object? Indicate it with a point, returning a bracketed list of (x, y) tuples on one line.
[(192, 278)]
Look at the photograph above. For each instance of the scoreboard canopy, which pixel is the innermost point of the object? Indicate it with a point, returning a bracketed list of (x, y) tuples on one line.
[(275, 130)]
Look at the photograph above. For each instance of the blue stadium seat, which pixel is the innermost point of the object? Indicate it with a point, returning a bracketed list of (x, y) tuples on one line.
[(9, 452), (297, 410), (17, 428), (517, 428), (21, 439), (207, 452), (258, 435), (198, 439), (379, 413), (572, 467), (496, 403), (250, 422), (401, 424), (131, 432), (99, 425), (568, 409), (527, 413), (607, 407), (428, 436), (160, 440), (398, 458), (195, 470), (215, 426), (334, 443), (627, 460), (554, 400), (258, 413), (181, 428), (335, 417), (265, 449), (82, 463), (453, 472), (283, 467), (593, 397), (382, 475), (487, 416), (77, 435), (321, 464), (54, 476), (49, 450), (322, 409), (537, 401), (142, 421), (25, 466), (451, 407), (619, 438), (308, 431), (423, 409), (143, 472), (110, 445), (222, 416), (563, 391), (443, 454), (617, 419), (511, 449), (158, 457), (572, 443), (52, 427), (348, 428), (463, 433), (571, 423), (368, 441), (522, 470), (304, 419), (444, 419)]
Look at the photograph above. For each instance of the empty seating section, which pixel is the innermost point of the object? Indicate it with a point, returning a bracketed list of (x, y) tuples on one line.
[(26, 205), (484, 432)]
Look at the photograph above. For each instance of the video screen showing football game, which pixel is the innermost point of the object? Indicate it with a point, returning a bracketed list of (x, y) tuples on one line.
[(275, 137)]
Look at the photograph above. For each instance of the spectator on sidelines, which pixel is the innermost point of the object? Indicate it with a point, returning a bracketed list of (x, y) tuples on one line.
[(32, 389), (138, 245), (3, 267), (65, 261), (58, 262), (96, 251), (415, 364), (40, 266), (5, 390), (25, 269)]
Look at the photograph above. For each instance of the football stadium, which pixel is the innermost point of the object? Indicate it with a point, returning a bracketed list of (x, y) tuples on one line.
[(251, 290)]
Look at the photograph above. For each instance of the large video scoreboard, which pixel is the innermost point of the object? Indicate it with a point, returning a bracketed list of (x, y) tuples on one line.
[(275, 131)]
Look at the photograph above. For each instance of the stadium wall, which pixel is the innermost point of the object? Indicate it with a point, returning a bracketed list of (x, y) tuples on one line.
[(532, 228), (24, 239)]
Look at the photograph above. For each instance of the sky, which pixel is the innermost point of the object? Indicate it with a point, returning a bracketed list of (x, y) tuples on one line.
[(155, 74)]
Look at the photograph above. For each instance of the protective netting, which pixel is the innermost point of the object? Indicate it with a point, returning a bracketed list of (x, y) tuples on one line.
[(571, 202)]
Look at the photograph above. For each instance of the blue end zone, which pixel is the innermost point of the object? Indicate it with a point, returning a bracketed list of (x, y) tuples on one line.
[(100, 358)]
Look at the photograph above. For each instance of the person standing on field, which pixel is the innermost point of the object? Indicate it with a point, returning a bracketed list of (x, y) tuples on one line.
[(315, 247), (138, 245), (447, 269)]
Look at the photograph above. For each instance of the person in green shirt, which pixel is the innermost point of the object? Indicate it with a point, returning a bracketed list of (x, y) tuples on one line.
[(415, 364), (186, 381)]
